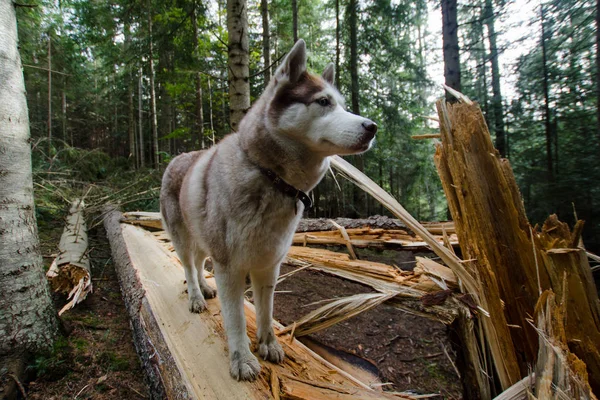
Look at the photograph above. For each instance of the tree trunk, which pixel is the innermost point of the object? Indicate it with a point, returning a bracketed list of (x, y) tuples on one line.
[(547, 120), (497, 97), (28, 319), (598, 69), (353, 21), (237, 62), (337, 48), (450, 45), (155, 159), (140, 123), (295, 19), (49, 94), (210, 112), (64, 111), (264, 11), (130, 119), (199, 111)]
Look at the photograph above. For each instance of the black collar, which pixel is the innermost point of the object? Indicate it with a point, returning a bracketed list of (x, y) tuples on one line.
[(286, 188)]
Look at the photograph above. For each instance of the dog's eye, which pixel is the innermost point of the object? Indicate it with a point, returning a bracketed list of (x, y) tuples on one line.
[(323, 102)]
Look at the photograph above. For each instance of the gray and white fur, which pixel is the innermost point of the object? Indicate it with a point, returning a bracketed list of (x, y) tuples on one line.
[(217, 202)]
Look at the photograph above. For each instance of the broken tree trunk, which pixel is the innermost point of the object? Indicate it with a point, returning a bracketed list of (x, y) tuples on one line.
[(70, 271), (559, 373), (495, 234), (185, 354)]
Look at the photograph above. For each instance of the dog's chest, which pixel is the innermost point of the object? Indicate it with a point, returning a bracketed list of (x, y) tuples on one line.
[(267, 229)]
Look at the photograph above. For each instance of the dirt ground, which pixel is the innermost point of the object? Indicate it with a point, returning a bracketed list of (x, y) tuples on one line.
[(408, 352), (97, 359)]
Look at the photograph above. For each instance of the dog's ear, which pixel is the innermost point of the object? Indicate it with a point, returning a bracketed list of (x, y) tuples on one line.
[(294, 64), (329, 73)]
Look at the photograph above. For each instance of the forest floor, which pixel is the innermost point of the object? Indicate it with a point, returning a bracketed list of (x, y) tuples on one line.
[(407, 352), (97, 358)]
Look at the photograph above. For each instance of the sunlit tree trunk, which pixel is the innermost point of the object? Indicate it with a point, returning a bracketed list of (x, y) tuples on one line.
[(237, 62), (27, 318), (450, 45)]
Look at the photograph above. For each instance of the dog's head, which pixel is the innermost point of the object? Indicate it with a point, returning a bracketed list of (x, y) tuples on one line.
[(310, 109)]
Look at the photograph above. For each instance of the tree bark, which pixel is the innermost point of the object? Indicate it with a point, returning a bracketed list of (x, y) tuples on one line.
[(598, 69), (497, 94), (450, 45), (295, 19), (264, 11), (28, 319), (155, 158), (237, 62), (545, 85)]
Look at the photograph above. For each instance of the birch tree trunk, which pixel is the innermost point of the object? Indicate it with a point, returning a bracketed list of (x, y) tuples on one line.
[(239, 73), (27, 318), (337, 44)]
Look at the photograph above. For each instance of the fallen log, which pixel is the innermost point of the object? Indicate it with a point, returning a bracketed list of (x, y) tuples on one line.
[(514, 263), (184, 354), (70, 271)]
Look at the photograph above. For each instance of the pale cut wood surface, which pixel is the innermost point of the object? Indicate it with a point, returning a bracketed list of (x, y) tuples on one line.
[(197, 342)]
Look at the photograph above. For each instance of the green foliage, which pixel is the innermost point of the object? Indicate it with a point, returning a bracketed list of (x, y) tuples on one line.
[(52, 363)]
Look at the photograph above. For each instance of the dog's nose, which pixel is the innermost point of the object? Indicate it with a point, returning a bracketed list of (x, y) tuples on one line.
[(370, 126)]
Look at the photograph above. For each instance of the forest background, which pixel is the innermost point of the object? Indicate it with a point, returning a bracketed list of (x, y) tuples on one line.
[(116, 89)]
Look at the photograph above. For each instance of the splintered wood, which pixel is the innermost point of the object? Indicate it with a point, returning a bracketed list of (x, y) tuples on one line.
[(186, 353), (70, 271), (367, 237), (513, 262)]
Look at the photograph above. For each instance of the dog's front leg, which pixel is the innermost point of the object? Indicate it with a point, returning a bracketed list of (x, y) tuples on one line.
[(263, 286), (230, 284)]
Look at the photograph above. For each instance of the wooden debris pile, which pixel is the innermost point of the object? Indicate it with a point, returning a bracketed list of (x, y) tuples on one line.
[(368, 237), (70, 271)]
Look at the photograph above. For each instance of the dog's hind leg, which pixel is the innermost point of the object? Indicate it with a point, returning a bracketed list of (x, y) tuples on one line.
[(199, 262), (243, 365), (196, 302), (263, 286)]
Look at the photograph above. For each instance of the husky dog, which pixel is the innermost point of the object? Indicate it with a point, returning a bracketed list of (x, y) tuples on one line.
[(240, 201)]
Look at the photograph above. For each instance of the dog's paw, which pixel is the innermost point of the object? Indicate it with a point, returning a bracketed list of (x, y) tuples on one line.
[(271, 351), (197, 304), (244, 367), (209, 292)]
